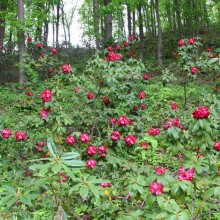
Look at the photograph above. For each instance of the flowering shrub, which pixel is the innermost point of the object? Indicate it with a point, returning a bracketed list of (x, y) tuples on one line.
[(139, 162)]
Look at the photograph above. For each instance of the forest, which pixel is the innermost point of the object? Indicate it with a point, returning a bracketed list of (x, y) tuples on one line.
[(110, 109)]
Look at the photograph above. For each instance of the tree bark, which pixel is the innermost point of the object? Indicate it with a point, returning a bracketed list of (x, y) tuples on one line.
[(159, 31), (133, 23), (57, 24), (141, 31), (108, 23), (2, 25), (21, 42), (178, 16), (129, 20), (96, 23)]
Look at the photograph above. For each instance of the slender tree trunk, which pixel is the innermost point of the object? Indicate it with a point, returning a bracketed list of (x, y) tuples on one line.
[(141, 31), (2, 25), (96, 23), (153, 20), (108, 23), (196, 15), (53, 26), (21, 42), (146, 6), (178, 16), (188, 19), (169, 17), (159, 31), (129, 20), (57, 24), (46, 31), (63, 20), (133, 23)]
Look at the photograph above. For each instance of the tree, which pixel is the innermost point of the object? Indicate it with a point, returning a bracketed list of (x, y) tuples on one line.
[(159, 33), (107, 22), (96, 23), (21, 41), (2, 22)]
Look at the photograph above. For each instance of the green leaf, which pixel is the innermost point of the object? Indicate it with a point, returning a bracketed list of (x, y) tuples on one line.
[(74, 188), (168, 207), (9, 189), (74, 163), (213, 60), (209, 193), (217, 192), (68, 171), (25, 199), (201, 123), (51, 146), (160, 201), (94, 190), (11, 201), (174, 189), (175, 134), (175, 205), (5, 199), (141, 180), (56, 168), (84, 191), (44, 169), (69, 156)]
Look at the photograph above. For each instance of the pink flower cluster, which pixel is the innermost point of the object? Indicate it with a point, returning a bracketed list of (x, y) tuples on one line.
[(201, 113), (153, 131), (181, 42), (91, 151), (142, 95), (156, 188), (186, 175), (123, 121), (113, 56), (90, 95), (115, 135), (160, 170), (20, 136), (194, 70), (66, 68), (39, 145), (174, 106), (70, 140), (217, 146), (90, 164), (46, 95), (175, 122), (84, 138), (6, 133), (130, 140), (104, 185)]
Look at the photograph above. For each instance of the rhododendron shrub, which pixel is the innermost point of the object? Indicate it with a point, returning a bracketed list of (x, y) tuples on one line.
[(138, 162)]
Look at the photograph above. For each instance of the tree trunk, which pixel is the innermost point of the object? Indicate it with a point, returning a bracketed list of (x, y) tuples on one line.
[(2, 25), (133, 23), (178, 16), (63, 21), (153, 25), (129, 20), (147, 17), (96, 23), (159, 30), (141, 31), (46, 31), (108, 23), (195, 10), (21, 42), (57, 24)]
